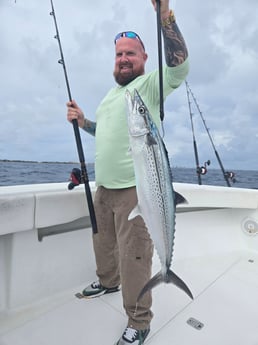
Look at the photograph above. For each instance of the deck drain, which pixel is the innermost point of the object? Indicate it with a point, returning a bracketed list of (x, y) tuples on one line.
[(250, 226), (195, 323)]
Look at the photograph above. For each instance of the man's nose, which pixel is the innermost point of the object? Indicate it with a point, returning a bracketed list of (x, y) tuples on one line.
[(124, 57)]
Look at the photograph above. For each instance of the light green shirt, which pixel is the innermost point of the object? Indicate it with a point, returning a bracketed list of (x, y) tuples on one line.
[(113, 164)]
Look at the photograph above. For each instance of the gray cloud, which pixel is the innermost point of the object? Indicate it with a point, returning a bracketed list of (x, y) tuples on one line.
[(222, 41)]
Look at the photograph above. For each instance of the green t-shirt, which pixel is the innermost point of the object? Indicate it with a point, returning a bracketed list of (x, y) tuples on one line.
[(113, 164)]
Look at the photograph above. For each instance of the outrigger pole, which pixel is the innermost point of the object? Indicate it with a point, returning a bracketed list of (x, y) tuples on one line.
[(226, 174), (84, 174)]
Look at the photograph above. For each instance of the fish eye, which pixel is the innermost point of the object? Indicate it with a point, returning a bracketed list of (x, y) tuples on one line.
[(141, 109)]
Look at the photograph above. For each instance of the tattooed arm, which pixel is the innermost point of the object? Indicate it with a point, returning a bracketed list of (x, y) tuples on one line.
[(175, 48), (174, 43), (89, 126), (75, 112)]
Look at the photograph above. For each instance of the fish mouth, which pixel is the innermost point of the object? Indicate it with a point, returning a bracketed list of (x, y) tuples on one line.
[(129, 100)]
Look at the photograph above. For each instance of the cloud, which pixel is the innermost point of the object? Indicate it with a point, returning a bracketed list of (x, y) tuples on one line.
[(223, 51)]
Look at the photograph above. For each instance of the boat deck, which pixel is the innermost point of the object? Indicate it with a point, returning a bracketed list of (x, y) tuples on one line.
[(224, 310), (46, 256)]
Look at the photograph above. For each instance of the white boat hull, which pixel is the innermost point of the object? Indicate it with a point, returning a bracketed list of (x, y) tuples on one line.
[(46, 256)]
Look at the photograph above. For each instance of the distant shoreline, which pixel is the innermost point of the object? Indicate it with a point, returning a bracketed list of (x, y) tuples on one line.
[(36, 162)]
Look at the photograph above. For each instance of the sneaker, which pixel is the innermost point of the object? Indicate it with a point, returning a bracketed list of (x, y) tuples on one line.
[(96, 289), (133, 336)]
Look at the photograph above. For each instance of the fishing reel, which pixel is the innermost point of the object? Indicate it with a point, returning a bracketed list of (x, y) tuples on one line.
[(203, 169), (230, 175), (75, 178)]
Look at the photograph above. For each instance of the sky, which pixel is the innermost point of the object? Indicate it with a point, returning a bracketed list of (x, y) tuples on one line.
[(221, 37)]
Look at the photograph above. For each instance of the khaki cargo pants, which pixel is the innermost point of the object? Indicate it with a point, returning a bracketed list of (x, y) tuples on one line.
[(123, 251)]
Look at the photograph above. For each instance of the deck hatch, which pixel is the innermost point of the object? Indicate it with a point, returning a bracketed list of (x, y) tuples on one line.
[(195, 323)]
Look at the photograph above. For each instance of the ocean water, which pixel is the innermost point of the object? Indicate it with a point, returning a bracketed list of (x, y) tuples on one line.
[(21, 173)]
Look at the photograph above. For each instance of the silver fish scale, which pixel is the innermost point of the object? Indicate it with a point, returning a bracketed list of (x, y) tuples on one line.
[(153, 179), (162, 192), (155, 192)]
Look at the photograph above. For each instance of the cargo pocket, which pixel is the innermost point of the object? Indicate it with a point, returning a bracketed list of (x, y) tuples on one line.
[(139, 245)]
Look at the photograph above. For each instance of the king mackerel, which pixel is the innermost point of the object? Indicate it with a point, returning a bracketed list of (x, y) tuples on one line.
[(157, 199)]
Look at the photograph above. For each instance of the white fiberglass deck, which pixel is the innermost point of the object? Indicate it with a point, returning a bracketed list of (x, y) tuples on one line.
[(226, 300), (45, 260)]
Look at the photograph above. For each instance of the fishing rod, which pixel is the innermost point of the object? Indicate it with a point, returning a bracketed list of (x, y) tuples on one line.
[(159, 35), (198, 169), (84, 173), (226, 174)]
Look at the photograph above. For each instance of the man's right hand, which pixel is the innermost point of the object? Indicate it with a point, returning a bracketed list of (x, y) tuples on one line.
[(74, 112)]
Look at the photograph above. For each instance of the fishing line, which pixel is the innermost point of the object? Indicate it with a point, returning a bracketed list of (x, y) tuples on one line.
[(226, 174), (84, 174)]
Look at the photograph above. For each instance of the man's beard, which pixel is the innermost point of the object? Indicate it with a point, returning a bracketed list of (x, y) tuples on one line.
[(124, 79)]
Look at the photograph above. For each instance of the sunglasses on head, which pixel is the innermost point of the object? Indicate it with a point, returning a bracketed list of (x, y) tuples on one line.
[(129, 34)]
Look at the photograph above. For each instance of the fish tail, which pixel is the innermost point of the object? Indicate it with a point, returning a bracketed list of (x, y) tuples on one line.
[(179, 199), (154, 281), (169, 277)]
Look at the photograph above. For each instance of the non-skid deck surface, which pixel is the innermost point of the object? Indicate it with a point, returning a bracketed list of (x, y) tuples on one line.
[(225, 308)]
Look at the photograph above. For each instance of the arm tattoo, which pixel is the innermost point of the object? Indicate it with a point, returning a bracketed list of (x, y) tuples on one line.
[(89, 127), (174, 45)]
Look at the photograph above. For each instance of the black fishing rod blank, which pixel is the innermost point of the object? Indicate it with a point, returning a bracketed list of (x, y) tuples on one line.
[(226, 175), (84, 174), (198, 169), (159, 36)]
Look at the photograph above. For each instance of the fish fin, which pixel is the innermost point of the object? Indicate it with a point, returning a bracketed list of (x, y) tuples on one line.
[(170, 277), (179, 199), (151, 140), (136, 211), (154, 281)]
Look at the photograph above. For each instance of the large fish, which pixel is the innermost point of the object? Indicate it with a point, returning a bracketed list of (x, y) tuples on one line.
[(156, 198)]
